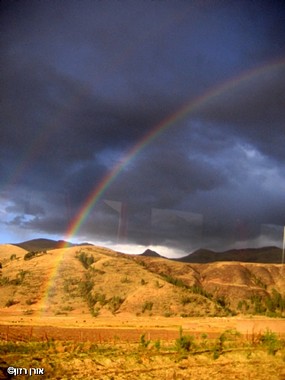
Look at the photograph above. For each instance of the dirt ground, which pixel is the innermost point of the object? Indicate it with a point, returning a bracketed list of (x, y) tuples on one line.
[(127, 327), (120, 355)]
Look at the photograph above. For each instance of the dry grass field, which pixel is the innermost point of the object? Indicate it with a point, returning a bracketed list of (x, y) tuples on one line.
[(92, 313), (229, 355)]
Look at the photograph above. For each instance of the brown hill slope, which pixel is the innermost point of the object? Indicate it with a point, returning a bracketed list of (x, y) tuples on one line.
[(41, 244), (95, 280)]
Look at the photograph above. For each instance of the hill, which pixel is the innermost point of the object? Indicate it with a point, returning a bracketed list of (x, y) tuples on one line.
[(98, 281), (150, 253), (45, 244), (250, 255)]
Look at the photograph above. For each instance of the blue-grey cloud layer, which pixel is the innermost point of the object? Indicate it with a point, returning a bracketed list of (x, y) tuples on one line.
[(85, 81)]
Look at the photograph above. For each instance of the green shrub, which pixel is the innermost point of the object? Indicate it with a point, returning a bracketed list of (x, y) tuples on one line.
[(115, 303), (125, 280), (4, 281), (85, 287), (10, 302), (157, 345), (143, 342), (30, 255), (30, 301), (86, 260), (184, 342), (185, 300), (147, 306), (174, 281), (20, 277), (270, 340)]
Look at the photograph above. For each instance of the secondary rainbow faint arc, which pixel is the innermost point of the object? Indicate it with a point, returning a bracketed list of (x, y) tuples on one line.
[(166, 123)]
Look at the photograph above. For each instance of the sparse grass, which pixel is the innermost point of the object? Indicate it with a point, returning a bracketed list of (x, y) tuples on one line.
[(4, 281), (28, 312), (126, 280), (67, 308), (158, 285), (187, 357), (174, 281)]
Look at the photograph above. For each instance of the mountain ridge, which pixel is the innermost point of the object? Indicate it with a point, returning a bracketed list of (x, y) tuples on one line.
[(43, 244), (269, 254)]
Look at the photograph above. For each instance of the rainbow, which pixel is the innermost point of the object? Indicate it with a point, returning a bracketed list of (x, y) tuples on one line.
[(49, 281), (165, 124)]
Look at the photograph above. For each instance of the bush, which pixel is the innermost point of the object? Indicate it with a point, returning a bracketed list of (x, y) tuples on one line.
[(86, 260), (174, 281), (30, 301), (185, 300), (143, 342), (10, 302), (184, 342), (125, 280), (270, 340), (147, 306), (85, 287), (4, 281), (115, 303), (30, 255)]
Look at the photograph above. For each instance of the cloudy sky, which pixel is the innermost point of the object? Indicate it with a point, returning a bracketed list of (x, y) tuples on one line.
[(84, 82)]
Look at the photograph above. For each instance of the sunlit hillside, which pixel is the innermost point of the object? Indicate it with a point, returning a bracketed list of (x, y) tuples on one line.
[(97, 281)]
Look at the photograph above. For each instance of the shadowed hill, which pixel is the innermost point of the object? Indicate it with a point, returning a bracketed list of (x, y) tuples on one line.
[(150, 253), (250, 255), (45, 244)]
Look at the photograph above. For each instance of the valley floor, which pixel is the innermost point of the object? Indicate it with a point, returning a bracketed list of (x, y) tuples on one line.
[(129, 347), (246, 325)]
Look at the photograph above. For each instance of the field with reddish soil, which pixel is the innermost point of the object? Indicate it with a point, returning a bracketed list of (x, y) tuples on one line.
[(129, 328), (128, 347)]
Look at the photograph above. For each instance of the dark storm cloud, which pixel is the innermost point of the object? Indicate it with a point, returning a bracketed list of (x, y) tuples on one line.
[(179, 177), (255, 110), (83, 82)]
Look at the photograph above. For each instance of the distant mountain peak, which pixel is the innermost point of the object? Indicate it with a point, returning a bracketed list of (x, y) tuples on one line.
[(150, 253)]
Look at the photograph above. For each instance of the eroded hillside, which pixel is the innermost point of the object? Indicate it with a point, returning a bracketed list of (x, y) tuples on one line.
[(99, 281)]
